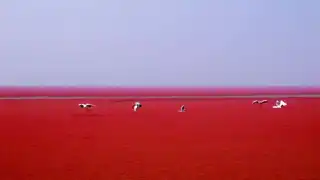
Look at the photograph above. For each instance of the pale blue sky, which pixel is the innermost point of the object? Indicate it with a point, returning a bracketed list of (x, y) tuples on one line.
[(160, 42)]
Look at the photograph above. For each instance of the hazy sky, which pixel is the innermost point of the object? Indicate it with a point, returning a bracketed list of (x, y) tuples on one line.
[(160, 42)]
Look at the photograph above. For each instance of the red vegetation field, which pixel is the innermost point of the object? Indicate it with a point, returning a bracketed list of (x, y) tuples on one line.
[(215, 139)]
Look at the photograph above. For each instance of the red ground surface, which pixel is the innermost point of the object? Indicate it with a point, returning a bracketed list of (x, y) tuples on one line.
[(214, 139)]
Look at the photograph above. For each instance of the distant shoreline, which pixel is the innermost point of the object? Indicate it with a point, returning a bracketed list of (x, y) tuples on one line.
[(117, 92)]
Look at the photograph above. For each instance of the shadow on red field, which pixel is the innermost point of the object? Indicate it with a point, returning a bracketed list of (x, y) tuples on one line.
[(213, 139)]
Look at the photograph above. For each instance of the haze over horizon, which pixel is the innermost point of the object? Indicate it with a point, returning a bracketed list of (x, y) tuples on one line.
[(160, 43)]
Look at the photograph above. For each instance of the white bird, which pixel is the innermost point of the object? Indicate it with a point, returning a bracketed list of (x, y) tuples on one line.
[(182, 108), (280, 104), (86, 106), (136, 106), (259, 101)]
